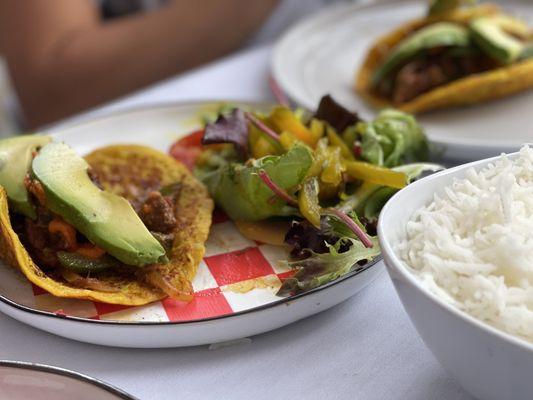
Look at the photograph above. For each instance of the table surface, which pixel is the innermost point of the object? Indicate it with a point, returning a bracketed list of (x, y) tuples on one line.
[(365, 348)]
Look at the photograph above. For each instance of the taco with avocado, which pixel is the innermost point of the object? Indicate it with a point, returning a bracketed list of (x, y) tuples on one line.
[(458, 54), (127, 225)]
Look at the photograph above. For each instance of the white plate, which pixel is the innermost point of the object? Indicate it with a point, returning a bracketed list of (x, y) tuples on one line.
[(28, 381), (221, 311), (322, 54)]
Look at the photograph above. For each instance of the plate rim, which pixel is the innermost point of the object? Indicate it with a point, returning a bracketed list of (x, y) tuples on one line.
[(89, 117), (69, 374), (278, 60), (281, 301), (57, 129)]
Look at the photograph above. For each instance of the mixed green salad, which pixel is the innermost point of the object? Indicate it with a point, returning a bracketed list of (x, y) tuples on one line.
[(314, 182)]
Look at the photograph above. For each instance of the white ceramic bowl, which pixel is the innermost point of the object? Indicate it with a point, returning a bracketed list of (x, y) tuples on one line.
[(488, 363)]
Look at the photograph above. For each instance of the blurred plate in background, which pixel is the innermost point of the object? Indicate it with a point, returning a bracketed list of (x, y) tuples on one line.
[(25, 381), (322, 55)]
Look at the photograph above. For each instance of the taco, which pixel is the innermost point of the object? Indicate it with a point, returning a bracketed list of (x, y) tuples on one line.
[(454, 56), (125, 226)]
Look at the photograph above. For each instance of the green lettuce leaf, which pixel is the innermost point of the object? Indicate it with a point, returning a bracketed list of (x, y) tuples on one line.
[(321, 268), (335, 227), (241, 193), (393, 138)]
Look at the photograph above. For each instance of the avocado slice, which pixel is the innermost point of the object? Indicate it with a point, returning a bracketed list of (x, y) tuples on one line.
[(16, 154), (107, 220), (442, 6), (497, 37), (442, 34)]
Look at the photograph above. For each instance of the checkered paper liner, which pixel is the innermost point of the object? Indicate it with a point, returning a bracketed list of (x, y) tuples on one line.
[(236, 274)]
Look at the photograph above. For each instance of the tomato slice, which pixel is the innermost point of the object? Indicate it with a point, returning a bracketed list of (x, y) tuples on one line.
[(192, 140), (187, 155), (188, 148)]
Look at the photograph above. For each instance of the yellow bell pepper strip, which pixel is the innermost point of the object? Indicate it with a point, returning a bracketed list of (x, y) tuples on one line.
[(329, 167), (283, 119), (374, 174), (262, 147), (287, 140), (333, 166), (318, 158), (317, 129), (336, 140), (308, 201), (316, 167)]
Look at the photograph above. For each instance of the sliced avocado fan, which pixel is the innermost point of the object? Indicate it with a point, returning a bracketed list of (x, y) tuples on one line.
[(495, 35), (107, 220), (442, 6), (442, 34), (16, 155)]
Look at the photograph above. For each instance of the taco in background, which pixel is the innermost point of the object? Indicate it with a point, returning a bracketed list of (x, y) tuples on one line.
[(74, 239), (454, 56)]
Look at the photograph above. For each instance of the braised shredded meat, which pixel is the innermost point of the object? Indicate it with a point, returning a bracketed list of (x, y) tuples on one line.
[(430, 71), (157, 213), (165, 239), (43, 242), (36, 189), (40, 241)]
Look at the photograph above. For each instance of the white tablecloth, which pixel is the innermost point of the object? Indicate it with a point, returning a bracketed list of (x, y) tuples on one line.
[(365, 348)]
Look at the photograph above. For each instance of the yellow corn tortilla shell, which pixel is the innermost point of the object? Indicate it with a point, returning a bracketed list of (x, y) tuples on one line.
[(141, 170), (476, 88), (125, 170)]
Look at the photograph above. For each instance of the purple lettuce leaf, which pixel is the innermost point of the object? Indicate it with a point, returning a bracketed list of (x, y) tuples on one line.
[(229, 128), (335, 114)]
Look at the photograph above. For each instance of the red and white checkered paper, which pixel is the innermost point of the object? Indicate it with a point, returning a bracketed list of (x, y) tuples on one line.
[(230, 259)]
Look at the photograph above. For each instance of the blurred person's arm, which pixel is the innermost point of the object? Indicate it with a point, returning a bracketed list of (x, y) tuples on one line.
[(64, 59)]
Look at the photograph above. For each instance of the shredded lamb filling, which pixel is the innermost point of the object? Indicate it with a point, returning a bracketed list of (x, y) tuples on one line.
[(428, 72)]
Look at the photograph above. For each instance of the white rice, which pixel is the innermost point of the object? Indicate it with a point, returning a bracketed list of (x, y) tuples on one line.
[(473, 245)]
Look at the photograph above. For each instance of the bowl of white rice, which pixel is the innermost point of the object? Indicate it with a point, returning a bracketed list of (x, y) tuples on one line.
[(458, 246)]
